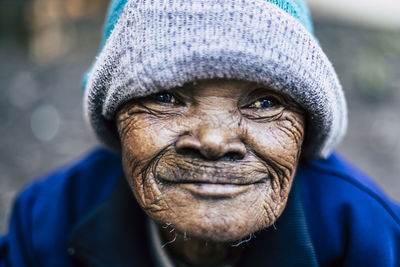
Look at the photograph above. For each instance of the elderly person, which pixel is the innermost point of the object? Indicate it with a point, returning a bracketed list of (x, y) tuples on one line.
[(224, 115)]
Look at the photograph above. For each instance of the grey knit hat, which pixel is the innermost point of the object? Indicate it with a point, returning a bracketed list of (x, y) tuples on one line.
[(155, 45)]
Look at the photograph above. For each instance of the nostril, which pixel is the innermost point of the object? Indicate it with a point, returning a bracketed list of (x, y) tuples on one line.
[(235, 149), (187, 144), (190, 152), (232, 156), (230, 150)]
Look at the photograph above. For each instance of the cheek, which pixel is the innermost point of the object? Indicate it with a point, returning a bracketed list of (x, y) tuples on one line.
[(142, 140), (277, 141)]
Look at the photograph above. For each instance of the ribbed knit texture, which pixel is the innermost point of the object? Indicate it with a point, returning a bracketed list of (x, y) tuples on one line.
[(159, 44), (296, 8)]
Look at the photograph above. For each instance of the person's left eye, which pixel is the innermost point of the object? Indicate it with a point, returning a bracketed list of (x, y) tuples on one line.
[(166, 98), (264, 103)]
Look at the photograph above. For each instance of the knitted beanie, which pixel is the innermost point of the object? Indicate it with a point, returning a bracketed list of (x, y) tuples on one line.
[(155, 45)]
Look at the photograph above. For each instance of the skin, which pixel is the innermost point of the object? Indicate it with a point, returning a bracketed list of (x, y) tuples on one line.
[(211, 163)]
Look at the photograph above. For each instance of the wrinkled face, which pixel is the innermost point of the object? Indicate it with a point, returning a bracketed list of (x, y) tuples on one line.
[(214, 160)]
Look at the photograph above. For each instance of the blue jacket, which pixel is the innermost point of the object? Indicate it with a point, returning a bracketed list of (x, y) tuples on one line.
[(85, 214)]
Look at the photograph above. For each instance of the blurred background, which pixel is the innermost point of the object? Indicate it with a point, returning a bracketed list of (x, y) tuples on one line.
[(46, 46)]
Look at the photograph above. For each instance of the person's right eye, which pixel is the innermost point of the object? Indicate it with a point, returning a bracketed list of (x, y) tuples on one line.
[(165, 98)]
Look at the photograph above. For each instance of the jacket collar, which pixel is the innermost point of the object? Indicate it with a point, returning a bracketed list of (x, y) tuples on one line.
[(114, 234)]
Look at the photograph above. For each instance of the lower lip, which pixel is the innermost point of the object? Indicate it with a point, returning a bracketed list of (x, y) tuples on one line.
[(216, 190)]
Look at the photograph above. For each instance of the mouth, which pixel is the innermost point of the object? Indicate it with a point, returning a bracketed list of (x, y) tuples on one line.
[(219, 188), (210, 179), (215, 190)]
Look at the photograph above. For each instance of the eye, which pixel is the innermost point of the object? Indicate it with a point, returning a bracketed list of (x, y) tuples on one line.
[(264, 103), (166, 98)]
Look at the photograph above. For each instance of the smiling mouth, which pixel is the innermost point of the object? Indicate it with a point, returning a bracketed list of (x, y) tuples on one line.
[(213, 189)]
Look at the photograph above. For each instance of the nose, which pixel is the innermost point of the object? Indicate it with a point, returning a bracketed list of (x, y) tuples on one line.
[(212, 143)]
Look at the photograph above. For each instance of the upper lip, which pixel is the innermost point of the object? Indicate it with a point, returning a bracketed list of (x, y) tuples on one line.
[(173, 168)]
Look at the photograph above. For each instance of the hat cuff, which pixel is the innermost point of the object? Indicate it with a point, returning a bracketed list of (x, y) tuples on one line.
[(159, 46)]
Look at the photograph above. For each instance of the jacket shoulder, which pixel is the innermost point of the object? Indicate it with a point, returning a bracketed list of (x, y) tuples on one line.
[(351, 220), (45, 212)]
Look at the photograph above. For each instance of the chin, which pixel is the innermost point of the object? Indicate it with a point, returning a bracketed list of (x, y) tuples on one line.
[(216, 218)]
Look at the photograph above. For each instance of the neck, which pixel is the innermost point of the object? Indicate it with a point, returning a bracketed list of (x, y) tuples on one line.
[(198, 252)]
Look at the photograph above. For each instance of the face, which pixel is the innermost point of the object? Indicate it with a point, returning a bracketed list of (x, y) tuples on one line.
[(215, 159)]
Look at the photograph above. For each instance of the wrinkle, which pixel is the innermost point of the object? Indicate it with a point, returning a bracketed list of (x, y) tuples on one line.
[(177, 168)]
